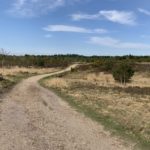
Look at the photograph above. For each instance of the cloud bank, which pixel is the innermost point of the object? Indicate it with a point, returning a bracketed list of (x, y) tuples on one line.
[(68, 28), (121, 17)]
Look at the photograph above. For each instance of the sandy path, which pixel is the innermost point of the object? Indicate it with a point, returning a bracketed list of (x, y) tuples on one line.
[(33, 118)]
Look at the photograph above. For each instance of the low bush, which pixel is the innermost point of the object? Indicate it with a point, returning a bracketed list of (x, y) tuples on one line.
[(123, 72)]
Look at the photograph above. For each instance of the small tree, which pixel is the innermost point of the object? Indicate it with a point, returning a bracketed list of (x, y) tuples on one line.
[(123, 72)]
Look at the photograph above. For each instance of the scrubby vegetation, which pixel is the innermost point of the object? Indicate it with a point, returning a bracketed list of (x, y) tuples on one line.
[(92, 90), (106, 64)]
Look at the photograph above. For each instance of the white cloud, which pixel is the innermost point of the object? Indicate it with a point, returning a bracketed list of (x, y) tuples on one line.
[(121, 17), (105, 41), (32, 8), (144, 11), (115, 43), (67, 28), (80, 16)]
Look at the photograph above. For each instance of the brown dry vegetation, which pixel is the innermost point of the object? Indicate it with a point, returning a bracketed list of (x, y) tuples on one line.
[(129, 106), (16, 70)]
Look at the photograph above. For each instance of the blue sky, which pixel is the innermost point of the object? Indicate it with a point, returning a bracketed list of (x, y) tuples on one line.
[(88, 27)]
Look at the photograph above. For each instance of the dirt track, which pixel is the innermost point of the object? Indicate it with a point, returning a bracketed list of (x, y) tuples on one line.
[(33, 118)]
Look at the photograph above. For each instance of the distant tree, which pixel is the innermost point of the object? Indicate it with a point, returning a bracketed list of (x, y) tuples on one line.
[(3, 54), (123, 72)]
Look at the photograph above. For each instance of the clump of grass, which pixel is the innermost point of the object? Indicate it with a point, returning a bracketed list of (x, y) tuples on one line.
[(57, 83)]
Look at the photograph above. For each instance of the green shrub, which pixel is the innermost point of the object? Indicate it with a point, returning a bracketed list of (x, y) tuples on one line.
[(108, 65), (123, 72), (105, 65), (73, 70)]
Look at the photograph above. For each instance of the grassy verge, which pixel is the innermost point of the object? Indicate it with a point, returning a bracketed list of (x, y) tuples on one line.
[(107, 121)]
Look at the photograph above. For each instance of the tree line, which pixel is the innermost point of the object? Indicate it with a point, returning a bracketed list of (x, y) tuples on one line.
[(65, 60)]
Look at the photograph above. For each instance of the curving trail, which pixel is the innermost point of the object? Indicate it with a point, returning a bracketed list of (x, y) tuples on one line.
[(34, 118)]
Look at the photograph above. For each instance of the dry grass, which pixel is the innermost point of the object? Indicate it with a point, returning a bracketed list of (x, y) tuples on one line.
[(97, 92), (16, 70), (57, 83), (102, 79)]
